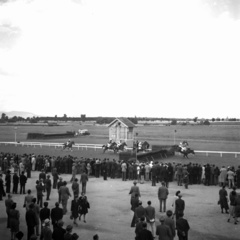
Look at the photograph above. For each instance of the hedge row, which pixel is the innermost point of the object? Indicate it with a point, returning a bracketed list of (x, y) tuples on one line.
[(49, 135)]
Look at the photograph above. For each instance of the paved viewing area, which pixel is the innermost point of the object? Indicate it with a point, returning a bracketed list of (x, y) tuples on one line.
[(110, 215)]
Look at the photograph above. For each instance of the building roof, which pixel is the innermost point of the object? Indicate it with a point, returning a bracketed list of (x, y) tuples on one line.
[(124, 121)]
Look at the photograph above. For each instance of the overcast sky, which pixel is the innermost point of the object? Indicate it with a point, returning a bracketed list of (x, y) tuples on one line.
[(156, 58)]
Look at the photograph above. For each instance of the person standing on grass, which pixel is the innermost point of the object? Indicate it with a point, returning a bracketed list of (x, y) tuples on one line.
[(83, 180), (83, 206), (14, 222), (182, 227), (48, 185), (163, 231), (8, 181), (179, 206), (223, 199), (44, 214), (8, 204), (28, 199), (75, 188), (134, 189), (31, 221), (56, 215), (150, 217), (23, 181), (170, 222), (65, 194), (162, 196), (74, 209), (36, 209)]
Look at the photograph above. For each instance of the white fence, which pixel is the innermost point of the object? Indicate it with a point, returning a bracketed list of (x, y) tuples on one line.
[(85, 146)]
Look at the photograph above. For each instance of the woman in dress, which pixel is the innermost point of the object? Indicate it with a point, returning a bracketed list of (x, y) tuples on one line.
[(74, 209), (83, 206), (223, 199), (14, 216)]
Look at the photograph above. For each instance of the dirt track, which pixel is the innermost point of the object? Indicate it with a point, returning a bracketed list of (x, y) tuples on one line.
[(110, 213)]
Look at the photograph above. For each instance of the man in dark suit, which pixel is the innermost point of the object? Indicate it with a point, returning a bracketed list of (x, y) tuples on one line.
[(154, 174), (59, 231), (139, 212), (83, 180), (163, 231), (150, 217), (44, 214), (162, 196), (144, 234), (23, 181), (179, 206), (56, 215), (134, 205), (31, 220), (182, 227)]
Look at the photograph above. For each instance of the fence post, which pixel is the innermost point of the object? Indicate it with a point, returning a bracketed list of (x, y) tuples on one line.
[(220, 154)]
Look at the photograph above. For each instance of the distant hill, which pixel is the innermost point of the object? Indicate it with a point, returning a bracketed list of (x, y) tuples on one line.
[(19, 114)]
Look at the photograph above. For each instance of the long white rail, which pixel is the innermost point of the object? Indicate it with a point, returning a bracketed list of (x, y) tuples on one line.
[(97, 146)]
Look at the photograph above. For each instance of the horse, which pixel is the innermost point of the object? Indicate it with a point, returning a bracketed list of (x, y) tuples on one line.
[(120, 147), (113, 147), (141, 146), (185, 153), (68, 145)]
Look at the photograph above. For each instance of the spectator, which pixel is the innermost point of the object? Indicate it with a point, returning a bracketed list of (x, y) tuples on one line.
[(182, 227), (179, 206), (83, 207), (44, 214), (14, 222), (31, 221), (23, 181), (59, 184), (75, 188), (8, 204), (134, 205), (145, 234), (15, 183), (56, 215), (2, 191), (134, 189), (162, 196), (163, 231), (223, 200), (46, 231), (65, 194), (68, 234), (83, 180), (48, 186), (74, 209), (36, 209), (28, 199), (95, 237), (150, 217), (39, 188), (170, 222), (139, 227), (59, 231)]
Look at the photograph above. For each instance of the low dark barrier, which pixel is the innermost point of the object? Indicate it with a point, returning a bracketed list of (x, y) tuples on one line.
[(50, 135)]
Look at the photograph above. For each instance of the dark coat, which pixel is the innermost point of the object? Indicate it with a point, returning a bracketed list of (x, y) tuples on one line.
[(31, 218)]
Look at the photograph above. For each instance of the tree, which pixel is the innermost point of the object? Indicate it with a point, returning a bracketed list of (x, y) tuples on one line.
[(206, 122), (3, 116), (195, 119), (174, 122), (213, 119)]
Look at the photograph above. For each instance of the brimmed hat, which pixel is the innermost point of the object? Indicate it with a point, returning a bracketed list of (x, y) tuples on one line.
[(75, 236), (162, 219)]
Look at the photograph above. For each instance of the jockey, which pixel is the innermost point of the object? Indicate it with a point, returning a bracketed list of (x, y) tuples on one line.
[(140, 145), (68, 142), (119, 143), (109, 143), (183, 145)]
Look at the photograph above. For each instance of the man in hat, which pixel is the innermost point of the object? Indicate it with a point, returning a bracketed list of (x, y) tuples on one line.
[(59, 184), (8, 204), (134, 189), (59, 231), (8, 181), (31, 220), (150, 217), (139, 212), (68, 234), (75, 187), (65, 194), (179, 206), (46, 231), (163, 231), (44, 213)]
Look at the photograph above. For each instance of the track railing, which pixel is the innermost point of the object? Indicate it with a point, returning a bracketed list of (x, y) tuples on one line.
[(86, 146)]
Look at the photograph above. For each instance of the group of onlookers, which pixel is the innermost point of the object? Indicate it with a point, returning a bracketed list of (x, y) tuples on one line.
[(144, 217)]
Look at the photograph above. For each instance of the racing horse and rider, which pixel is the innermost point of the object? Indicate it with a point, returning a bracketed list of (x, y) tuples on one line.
[(114, 146), (68, 145), (141, 146), (183, 149)]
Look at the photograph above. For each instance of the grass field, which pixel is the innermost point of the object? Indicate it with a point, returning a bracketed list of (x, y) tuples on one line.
[(211, 138)]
